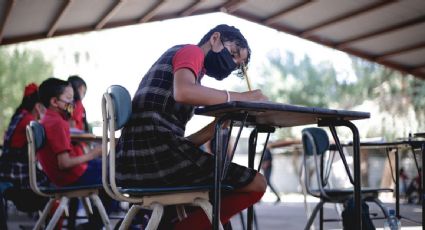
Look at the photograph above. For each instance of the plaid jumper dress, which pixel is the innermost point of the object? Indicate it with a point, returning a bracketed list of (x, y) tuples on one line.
[(152, 150)]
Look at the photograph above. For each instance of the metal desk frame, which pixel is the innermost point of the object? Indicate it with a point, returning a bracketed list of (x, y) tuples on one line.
[(413, 144), (265, 116)]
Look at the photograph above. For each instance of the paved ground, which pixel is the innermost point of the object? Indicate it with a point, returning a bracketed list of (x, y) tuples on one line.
[(288, 214)]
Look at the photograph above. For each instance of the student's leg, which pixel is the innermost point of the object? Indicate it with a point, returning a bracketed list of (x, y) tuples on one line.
[(93, 176), (267, 175), (231, 204)]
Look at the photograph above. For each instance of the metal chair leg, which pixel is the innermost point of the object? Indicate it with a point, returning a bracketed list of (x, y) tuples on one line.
[(58, 213), (44, 214), (242, 220), (129, 217), (207, 207), (87, 206), (381, 206), (157, 212), (98, 203), (181, 212), (313, 215)]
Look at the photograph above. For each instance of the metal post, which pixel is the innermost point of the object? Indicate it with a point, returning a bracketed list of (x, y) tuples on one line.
[(251, 157)]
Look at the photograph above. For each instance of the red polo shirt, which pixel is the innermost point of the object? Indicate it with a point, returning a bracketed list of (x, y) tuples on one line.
[(19, 137), (58, 140), (190, 57), (78, 115)]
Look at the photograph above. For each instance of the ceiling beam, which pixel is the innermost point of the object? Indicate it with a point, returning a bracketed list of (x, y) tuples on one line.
[(308, 32), (192, 8), (3, 22), (342, 45), (231, 6), (418, 68), (272, 19), (152, 11), (111, 12), (59, 16), (400, 51), (331, 44), (402, 68)]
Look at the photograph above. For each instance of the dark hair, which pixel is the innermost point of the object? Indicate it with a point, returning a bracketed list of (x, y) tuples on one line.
[(231, 34), (52, 87), (76, 82), (28, 103)]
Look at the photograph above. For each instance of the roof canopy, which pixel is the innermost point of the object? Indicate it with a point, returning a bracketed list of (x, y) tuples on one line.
[(388, 32)]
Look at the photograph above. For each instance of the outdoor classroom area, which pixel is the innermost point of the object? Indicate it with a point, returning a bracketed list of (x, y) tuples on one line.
[(212, 114)]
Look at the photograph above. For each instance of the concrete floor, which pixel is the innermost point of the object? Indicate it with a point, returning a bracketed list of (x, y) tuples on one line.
[(288, 214)]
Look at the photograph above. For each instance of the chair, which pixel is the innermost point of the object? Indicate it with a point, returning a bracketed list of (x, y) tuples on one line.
[(36, 138), (316, 144), (116, 110)]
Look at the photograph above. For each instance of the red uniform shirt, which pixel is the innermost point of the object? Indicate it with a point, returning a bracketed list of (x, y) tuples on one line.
[(58, 140), (78, 115), (19, 137), (191, 57)]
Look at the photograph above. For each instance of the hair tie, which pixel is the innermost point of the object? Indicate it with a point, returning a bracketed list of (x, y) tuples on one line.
[(30, 89)]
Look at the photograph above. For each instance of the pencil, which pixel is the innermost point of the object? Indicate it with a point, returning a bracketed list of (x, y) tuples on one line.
[(245, 73)]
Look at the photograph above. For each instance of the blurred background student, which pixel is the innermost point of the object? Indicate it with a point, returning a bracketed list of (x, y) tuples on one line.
[(14, 175), (267, 166), (78, 119)]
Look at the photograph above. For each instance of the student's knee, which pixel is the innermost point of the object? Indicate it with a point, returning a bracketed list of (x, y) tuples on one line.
[(259, 184), (262, 182)]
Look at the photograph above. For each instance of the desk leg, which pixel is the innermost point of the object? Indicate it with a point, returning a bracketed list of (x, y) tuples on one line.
[(356, 165), (422, 185), (357, 176), (251, 157), (397, 183), (217, 173)]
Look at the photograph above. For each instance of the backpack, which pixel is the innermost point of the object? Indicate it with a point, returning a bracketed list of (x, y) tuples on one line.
[(348, 216)]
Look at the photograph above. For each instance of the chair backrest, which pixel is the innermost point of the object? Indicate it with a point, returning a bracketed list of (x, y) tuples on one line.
[(315, 141), (36, 138), (315, 144), (116, 111), (121, 103)]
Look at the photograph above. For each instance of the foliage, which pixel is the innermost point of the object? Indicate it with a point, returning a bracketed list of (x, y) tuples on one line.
[(303, 82), (395, 92), (17, 69)]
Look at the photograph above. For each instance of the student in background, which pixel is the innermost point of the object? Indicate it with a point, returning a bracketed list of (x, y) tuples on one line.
[(79, 119), (14, 174), (267, 166), (64, 163)]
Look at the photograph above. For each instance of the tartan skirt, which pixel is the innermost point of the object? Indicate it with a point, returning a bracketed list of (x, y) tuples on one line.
[(164, 159)]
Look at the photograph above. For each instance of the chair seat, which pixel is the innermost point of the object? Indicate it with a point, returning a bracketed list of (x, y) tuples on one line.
[(163, 190), (52, 190), (343, 194), (4, 186)]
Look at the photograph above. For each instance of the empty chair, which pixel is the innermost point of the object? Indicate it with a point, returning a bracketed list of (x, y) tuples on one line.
[(116, 110), (316, 145), (36, 138)]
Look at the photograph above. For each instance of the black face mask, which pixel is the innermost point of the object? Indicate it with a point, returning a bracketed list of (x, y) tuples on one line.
[(219, 65)]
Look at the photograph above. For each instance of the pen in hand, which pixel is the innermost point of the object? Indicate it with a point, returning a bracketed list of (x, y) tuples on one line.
[(244, 71)]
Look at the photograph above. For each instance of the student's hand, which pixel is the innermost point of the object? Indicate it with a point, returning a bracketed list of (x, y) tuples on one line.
[(97, 151), (254, 95)]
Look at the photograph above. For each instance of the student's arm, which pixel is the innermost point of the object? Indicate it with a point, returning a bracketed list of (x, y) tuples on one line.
[(65, 161), (188, 92)]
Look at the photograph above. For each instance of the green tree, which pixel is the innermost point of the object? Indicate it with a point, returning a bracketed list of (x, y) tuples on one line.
[(300, 81), (394, 91), (17, 69)]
